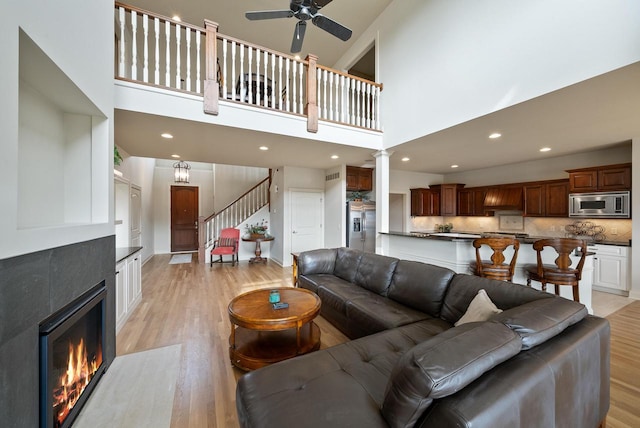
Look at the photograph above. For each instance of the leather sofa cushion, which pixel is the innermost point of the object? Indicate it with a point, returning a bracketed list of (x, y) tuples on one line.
[(505, 295), (538, 321), (347, 261), (443, 365), (339, 386), (317, 261), (374, 272), (420, 286), (378, 313)]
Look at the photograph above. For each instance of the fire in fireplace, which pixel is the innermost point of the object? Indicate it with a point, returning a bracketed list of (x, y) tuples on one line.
[(71, 344)]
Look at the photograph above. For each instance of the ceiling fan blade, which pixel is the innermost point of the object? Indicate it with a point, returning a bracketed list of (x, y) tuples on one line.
[(320, 3), (268, 14), (298, 37), (331, 26)]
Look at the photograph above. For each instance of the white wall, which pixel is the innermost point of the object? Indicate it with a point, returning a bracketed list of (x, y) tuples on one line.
[(82, 48), (548, 169), (231, 181), (450, 61), (201, 176)]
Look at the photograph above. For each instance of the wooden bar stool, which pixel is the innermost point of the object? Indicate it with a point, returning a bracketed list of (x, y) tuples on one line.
[(496, 268), (560, 273)]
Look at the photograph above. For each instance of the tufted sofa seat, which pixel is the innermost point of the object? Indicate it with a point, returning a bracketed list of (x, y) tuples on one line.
[(542, 361)]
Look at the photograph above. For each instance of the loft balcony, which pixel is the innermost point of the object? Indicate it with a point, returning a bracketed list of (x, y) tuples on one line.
[(178, 70)]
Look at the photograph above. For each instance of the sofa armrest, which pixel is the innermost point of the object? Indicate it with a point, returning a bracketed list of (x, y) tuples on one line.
[(443, 365), (317, 261)]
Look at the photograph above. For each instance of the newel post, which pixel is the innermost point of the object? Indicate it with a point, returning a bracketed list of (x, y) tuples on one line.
[(311, 108), (211, 84)]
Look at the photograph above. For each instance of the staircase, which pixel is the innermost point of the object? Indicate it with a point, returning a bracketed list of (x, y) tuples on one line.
[(232, 215)]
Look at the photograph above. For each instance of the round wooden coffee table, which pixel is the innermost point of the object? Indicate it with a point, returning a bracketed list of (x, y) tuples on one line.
[(261, 335)]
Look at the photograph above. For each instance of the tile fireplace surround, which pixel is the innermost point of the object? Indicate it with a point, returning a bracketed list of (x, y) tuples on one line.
[(32, 287)]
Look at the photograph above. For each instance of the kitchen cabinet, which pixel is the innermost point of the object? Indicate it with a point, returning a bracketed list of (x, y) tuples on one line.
[(128, 286), (448, 198), (359, 179), (611, 268), (600, 178), (425, 202), (471, 201), (546, 199)]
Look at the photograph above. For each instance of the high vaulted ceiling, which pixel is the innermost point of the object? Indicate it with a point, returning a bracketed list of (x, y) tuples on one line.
[(597, 113)]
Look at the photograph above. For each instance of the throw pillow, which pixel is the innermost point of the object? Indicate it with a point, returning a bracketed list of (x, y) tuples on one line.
[(481, 308)]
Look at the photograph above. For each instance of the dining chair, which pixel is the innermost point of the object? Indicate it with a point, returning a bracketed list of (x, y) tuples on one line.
[(225, 245), (561, 272), (496, 267)]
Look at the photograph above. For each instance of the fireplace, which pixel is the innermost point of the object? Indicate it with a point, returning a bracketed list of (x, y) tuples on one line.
[(72, 341)]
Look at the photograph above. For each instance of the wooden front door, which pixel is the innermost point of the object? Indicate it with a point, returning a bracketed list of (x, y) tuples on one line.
[(184, 218)]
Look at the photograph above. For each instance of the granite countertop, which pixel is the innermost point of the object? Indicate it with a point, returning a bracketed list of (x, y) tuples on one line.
[(124, 252), (457, 236)]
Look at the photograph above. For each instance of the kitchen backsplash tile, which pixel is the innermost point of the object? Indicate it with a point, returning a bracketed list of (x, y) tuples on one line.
[(614, 230)]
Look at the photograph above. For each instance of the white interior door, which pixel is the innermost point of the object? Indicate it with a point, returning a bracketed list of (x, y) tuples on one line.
[(307, 232), (136, 216)]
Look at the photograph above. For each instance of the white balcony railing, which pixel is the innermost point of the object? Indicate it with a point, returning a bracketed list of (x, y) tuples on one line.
[(156, 50)]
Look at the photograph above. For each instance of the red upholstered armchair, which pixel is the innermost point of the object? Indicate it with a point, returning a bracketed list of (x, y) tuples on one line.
[(226, 245)]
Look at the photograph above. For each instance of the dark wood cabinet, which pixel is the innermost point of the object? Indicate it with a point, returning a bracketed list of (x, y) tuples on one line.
[(359, 179), (448, 198), (425, 202), (600, 178), (557, 199), (546, 199), (471, 201)]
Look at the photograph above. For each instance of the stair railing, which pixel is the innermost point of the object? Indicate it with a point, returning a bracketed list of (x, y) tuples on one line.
[(232, 215)]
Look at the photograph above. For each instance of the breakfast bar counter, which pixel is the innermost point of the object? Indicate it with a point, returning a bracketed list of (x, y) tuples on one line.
[(455, 251)]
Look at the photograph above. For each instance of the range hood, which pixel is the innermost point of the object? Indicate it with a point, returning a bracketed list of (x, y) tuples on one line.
[(503, 198)]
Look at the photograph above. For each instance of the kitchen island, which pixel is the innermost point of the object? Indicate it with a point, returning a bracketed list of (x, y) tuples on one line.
[(455, 251)]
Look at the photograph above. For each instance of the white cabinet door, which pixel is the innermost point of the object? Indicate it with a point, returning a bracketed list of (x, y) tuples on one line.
[(122, 279), (133, 269), (611, 267)]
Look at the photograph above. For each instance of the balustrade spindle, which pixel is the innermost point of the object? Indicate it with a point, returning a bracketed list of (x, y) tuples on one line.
[(249, 72), (178, 34), (167, 34), (331, 76), (145, 53), (294, 83), (233, 69), (288, 90), (156, 73), (188, 43), (241, 71), (224, 69), (134, 46), (198, 37), (122, 45), (264, 84), (324, 94), (301, 97), (257, 77), (281, 94), (273, 81)]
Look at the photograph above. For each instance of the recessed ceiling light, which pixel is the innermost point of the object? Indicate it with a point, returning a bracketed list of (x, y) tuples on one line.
[(454, 166), (166, 135), (175, 156), (405, 159), (545, 149), (264, 148), (176, 18), (495, 135), (334, 156)]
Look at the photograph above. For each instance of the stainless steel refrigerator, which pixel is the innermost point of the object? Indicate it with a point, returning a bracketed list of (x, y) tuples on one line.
[(361, 225)]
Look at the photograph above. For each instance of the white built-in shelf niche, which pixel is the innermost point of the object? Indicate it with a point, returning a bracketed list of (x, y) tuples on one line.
[(63, 147)]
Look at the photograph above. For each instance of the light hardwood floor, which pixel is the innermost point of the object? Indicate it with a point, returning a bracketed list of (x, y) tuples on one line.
[(186, 304)]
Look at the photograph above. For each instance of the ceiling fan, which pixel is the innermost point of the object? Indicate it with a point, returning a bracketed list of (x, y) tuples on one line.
[(304, 10)]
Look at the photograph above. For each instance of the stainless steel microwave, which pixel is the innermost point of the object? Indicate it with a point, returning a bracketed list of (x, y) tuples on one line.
[(603, 205)]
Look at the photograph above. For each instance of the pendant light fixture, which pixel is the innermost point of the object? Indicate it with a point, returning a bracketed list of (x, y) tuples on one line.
[(181, 171)]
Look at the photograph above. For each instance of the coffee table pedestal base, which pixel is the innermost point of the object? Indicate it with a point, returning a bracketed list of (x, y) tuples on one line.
[(255, 348)]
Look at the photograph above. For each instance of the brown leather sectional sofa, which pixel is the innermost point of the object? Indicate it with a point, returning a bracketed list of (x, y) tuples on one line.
[(542, 362)]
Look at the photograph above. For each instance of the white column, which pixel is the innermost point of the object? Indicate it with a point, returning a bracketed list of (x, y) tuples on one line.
[(382, 198), (634, 291)]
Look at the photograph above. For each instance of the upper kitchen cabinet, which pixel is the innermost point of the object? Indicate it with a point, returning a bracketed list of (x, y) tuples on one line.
[(546, 199), (448, 198), (600, 179), (471, 201), (359, 179), (425, 202)]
